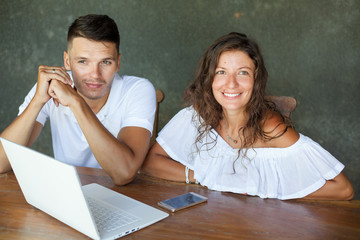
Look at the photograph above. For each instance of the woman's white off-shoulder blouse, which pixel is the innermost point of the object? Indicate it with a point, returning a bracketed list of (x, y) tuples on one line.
[(283, 173)]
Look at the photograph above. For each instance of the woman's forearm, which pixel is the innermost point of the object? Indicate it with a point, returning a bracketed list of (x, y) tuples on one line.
[(339, 188)]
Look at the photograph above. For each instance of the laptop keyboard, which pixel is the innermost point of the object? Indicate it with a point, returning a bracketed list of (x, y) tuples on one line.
[(107, 219)]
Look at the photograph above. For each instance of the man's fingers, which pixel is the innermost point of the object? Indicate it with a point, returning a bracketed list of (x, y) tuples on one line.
[(53, 96), (59, 74), (51, 93), (56, 73)]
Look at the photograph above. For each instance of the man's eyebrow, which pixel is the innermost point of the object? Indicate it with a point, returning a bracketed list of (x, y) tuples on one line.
[(106, 58), (78, 58), (109, 58)]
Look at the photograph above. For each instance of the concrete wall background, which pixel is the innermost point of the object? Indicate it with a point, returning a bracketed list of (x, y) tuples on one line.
[(311, 49)]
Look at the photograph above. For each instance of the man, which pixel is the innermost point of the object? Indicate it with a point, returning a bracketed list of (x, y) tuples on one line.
[(104, 120)]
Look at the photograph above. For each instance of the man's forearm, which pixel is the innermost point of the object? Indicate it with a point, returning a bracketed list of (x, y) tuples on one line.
[(115, 157), (20, 131)]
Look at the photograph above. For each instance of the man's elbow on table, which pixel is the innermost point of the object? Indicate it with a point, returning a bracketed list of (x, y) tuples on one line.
[(122, 177), (122, 181), (4, 164), (4, 169)]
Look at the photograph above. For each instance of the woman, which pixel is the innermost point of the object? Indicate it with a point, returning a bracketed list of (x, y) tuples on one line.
[(232, 139)]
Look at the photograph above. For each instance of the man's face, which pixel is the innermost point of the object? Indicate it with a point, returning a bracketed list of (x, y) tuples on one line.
[(93, 65)]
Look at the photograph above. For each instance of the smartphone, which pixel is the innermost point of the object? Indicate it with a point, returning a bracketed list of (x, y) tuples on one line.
[(182, 201)]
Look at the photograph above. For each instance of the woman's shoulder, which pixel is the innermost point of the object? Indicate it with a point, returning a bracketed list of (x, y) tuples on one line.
[(182, 119), (281, 134)]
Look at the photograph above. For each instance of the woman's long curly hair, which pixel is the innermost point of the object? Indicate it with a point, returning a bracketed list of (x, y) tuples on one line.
[(200, 95)]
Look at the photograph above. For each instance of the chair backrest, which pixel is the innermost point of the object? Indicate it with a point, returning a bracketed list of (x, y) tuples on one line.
[(286, 105), (159, 98)]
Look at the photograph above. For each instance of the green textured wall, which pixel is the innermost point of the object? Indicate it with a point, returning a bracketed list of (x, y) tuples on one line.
[(311, 49)]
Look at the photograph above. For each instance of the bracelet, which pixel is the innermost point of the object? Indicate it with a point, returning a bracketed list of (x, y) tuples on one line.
[(187, 175)]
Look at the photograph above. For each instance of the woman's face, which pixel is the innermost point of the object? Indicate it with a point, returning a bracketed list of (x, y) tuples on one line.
[(234, 80)]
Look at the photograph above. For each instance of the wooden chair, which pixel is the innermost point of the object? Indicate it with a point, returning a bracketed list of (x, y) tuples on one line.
[(159, 98), (286, 105)]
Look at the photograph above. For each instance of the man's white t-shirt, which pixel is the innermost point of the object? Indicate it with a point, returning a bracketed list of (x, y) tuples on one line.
[(132, 102)]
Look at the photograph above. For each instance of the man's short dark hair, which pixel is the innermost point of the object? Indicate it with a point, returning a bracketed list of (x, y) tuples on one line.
[(100, 28)]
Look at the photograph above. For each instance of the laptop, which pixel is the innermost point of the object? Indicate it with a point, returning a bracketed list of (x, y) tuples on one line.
[(54, 187)]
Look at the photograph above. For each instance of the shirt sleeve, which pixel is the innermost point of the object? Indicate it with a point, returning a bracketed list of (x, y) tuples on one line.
[(177, 138), (43, 116), (141, 106)]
